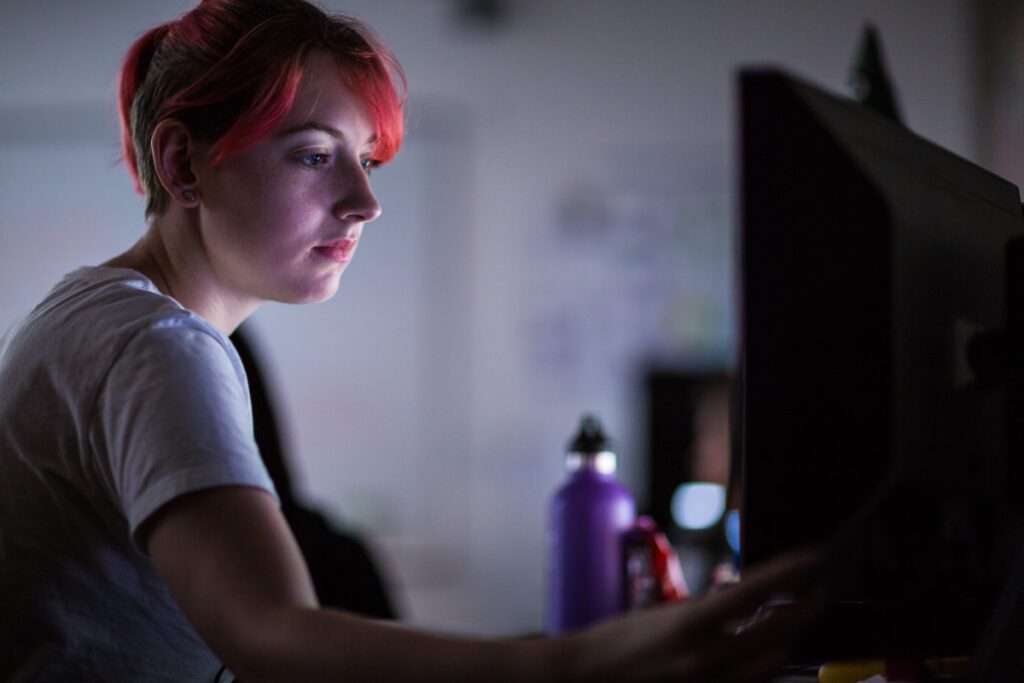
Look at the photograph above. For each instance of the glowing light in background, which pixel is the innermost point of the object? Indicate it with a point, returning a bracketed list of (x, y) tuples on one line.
[(732, 530), (698, 505)]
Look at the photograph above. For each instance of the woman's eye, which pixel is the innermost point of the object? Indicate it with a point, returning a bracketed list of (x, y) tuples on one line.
[(314, 159), (369, 164)]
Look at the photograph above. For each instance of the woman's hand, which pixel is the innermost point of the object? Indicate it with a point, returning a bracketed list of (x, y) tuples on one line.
[(729, 637)]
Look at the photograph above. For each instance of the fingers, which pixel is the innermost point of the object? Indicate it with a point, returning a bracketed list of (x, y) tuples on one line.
[(759, 647), (726, 638), (722, 638), (793, 572)]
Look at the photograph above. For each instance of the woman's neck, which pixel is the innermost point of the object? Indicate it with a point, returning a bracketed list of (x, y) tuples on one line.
[(174, 260)]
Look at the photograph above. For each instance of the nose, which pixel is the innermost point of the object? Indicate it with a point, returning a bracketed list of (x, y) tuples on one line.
[(356, 202)]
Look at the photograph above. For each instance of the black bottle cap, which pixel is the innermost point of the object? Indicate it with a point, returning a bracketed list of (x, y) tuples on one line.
[(590, 438)]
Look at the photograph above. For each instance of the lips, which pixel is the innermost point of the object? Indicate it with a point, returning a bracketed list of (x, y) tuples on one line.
[(340, 251)]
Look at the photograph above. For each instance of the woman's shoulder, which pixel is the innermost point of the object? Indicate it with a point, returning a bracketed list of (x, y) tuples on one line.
[(95, 321), (112, 301), (93, 313), (89, 285)]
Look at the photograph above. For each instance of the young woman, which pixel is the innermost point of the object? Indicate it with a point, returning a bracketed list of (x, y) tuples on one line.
[(140, 537)]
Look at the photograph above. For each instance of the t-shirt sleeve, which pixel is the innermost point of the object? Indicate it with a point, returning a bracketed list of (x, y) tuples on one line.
[(175, 418)]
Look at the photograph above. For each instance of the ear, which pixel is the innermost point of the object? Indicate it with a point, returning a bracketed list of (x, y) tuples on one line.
[(172, 149)]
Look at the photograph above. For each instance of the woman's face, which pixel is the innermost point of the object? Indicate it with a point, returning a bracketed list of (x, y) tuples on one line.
[(281, 219)]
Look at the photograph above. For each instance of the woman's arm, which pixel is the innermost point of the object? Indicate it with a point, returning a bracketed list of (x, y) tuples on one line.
[(231, 563)]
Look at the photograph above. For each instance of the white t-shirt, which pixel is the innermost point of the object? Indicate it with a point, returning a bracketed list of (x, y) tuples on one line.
[(114, 400)]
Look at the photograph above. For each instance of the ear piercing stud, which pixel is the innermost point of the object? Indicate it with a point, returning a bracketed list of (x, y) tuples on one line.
[(189, 195)]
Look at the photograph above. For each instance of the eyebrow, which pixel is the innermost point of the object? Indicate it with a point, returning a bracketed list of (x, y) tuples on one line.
[(322, 127)]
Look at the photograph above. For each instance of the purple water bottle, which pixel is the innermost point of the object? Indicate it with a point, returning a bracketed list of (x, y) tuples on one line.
[(590, 515)]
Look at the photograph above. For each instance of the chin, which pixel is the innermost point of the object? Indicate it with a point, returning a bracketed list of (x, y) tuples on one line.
[(314, 292)]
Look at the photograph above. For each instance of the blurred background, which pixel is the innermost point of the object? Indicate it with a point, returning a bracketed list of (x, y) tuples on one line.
[(557, 237)]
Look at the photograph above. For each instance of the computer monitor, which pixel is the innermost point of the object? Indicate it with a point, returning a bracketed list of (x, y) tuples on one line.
[(880, 386)]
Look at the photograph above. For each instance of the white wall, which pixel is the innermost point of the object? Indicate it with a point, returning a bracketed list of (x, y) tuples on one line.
[(430, 401)]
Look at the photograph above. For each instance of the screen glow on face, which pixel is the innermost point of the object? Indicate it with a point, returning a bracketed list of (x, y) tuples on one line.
[(281, 219)]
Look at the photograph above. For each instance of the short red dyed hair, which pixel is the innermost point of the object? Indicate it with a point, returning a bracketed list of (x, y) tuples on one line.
[(229, 71)]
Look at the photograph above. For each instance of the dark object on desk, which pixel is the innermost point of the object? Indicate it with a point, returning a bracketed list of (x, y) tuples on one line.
[(685, 411), (689, 452), (999, 657), (343, 571), (873, 262)]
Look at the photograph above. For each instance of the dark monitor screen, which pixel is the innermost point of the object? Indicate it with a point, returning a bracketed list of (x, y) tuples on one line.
[(879, 398)]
